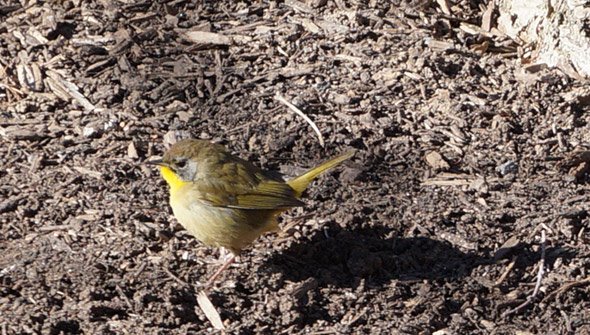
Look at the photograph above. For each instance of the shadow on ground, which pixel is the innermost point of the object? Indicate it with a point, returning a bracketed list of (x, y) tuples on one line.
[(343, 257)]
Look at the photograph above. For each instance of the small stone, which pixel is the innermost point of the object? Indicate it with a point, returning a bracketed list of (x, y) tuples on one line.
[(342, 99), (110, 124), (507, 168), (90, 132)]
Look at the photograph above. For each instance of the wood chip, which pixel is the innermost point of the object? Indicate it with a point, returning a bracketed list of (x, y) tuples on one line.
[(473, 29), (207, 38), (436, 161), (510, 244), (437, 45), (299, 6), (38, 78), (301, 289), (88, 217), (444, 6), (458, 241), (88, 172), (210, 312), (486, 19), (132, 151), (174, 136), (310, 26), (449, 179), (26, 133), (65, 89)]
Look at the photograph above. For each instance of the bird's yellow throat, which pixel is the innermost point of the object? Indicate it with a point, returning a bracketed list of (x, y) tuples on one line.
[(171, 178)]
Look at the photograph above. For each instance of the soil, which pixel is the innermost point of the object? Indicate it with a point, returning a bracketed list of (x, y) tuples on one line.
[(471, 173)]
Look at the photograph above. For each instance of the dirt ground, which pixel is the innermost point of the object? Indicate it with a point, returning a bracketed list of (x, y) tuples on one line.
[(464, 162)]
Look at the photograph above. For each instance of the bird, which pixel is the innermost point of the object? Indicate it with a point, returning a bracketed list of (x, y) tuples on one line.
[(225, 201)]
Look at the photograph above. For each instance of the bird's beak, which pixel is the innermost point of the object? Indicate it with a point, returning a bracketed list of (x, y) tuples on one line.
[(157, 162)]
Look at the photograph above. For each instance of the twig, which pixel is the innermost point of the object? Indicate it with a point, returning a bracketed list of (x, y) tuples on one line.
[(541, 265), (540, 273), (506, 272), (568, 323), (357, 317), (178, 280), (54, 228), (566, 287), (305, 117), (139, 270), (124, 297)]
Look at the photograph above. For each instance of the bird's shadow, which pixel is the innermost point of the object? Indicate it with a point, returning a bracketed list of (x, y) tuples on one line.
[(342, 257), (370, 258), (374, 258)]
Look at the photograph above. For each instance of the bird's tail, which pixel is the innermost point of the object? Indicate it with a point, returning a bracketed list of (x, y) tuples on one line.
[(300, 183)]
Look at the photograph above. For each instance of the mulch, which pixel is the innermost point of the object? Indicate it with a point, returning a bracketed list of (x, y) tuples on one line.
[(464, 162)]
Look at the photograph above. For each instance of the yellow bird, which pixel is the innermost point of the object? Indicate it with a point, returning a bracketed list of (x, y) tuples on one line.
[(225, 201)]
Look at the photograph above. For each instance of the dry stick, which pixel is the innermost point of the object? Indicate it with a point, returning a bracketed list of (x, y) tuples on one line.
[(506, 272), (305, 117), (178, 280), (541, 265), (124, 297), (568, 323), (566, 287), (540, 273)]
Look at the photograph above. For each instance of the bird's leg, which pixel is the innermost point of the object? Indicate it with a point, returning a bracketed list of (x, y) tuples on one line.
[(220, 270)]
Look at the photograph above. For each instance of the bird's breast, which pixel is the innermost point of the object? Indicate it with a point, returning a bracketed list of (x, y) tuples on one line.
[(218, 226)]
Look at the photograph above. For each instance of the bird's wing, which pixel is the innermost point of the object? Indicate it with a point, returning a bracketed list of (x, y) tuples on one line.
[(246, 187), (268, 195)]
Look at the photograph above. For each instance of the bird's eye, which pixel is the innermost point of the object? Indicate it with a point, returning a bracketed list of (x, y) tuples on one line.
[(181, 163)]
